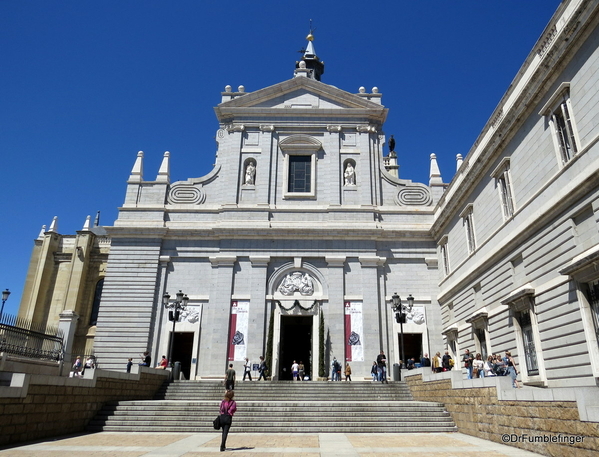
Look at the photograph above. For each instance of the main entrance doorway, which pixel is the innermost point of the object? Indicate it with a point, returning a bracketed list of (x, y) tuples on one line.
[(296, 344), (182, 350), (412, 346)]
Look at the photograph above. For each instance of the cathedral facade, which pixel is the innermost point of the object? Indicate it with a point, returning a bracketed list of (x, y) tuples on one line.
[(297, 240)]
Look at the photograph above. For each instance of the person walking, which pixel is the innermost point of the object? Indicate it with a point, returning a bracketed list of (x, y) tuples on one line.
[(381, 361), (295, 370), (335, 369), (511, 368), (227, 408), (374, 371), (230, 378), (347, 372), (302, 371), (247, 369), (262, 369)]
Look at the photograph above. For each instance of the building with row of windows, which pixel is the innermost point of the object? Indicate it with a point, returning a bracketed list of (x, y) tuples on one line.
[(304, 220)]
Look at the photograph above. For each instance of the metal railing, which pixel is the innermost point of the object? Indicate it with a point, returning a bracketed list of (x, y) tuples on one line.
[(23, 338)]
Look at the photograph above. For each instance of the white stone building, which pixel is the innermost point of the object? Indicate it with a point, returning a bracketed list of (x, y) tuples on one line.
[(305, 212), (298, 215), (517, 230)]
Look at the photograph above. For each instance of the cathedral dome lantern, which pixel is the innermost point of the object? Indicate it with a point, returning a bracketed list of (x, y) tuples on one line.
[(310, 65)]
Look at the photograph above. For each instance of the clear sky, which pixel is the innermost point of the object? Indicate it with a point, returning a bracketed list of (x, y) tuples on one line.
[(85, 85)]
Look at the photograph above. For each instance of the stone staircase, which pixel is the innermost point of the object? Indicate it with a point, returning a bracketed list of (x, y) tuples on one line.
[(283, 406)]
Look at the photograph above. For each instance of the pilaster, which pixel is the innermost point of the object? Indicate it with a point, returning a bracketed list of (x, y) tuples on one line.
[(258, 308), (376, 333), (216, 317), (334, 311)]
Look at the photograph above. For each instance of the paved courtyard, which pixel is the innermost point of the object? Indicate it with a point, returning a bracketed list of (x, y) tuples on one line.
[(268, 445)]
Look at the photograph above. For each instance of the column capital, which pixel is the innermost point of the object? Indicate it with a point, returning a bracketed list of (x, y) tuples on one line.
[(223, 260), (335, 261), (259, 260), (372, 261)]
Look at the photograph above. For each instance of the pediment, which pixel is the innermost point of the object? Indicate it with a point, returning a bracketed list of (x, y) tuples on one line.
[(300, 93)]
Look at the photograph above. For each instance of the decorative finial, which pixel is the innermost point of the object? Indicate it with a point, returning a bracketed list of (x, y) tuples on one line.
[(41, 234), (310, 36), (86, 224)]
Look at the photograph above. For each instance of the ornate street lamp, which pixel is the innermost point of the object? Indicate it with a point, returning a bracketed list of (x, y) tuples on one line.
[(5, 295), (175, 309), (400, 316)]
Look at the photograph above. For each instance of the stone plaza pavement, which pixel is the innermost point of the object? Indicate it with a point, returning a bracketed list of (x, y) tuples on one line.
[(267, 445)]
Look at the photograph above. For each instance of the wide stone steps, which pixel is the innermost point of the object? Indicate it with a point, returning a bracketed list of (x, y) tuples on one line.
[(271, 407)]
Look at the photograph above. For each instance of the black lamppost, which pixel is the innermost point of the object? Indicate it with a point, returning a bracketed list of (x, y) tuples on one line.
[(5, 294), (175, 307), (400, 316)]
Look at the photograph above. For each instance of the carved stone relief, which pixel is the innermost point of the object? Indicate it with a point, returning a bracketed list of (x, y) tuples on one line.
[(297, 282)]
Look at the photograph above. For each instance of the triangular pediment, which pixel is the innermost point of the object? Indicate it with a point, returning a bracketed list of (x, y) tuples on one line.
[(300, 93)]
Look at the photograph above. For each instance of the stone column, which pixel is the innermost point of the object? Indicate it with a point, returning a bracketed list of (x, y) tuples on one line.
[(374, 317), (216, 315), (334, 312), (159, 321), (67, 324), (258, 316)]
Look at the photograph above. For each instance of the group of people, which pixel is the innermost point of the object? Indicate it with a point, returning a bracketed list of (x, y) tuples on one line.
[(477, 367), (442, 363), (247, 372), (336, 370), (79, 367), (495, 365), (146, 361), (379, 368), (298, 371)]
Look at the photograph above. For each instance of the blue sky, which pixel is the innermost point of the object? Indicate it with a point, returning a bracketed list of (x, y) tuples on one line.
[(85, 85)]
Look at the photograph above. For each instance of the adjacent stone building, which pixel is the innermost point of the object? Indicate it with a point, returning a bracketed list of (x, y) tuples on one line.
[(305, 217)]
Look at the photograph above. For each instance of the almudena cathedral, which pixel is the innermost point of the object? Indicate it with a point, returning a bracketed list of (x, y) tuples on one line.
[(305, 228)]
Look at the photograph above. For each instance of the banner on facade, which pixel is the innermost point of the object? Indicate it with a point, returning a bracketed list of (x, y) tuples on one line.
[(238, 330), (354, 351)]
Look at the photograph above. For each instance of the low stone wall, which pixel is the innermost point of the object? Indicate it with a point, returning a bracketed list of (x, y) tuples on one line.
[(41, 406), (553, 422)]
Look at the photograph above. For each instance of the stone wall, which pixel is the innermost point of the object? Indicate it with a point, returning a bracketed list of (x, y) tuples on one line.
[(40, 406), (492, 409)]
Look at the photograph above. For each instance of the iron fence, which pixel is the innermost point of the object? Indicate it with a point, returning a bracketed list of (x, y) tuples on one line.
[(24, 338)]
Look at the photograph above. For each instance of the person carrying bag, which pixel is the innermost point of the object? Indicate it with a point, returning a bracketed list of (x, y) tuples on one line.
[(227, 408)]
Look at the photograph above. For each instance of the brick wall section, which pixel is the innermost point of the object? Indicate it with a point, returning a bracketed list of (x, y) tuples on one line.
[(55, 406), (478, 412)]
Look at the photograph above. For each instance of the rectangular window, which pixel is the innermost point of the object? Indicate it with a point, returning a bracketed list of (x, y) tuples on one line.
[(468, 222), (444, 254), (299, 178), (481, 340), (503, 182), (562, 123), (558, 112), (530, 352), (593, 298), (505, 191)]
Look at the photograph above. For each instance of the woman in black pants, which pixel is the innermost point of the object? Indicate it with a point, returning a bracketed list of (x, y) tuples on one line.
[(227, 409)]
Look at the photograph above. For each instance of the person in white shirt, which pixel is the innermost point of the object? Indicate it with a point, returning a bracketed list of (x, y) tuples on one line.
[(295, 370), (247, 369)]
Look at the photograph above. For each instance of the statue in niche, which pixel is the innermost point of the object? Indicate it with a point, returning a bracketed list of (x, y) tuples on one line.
[(250, 174), (349, 175), (297, 282)]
